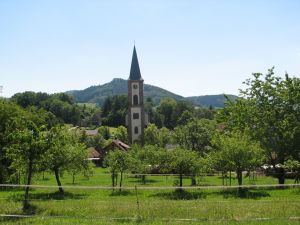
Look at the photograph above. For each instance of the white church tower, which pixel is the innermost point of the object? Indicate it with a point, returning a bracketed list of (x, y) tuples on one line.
[(136, 118)]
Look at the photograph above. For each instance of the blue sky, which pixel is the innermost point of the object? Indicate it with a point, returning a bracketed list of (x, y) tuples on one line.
[(188, 47)]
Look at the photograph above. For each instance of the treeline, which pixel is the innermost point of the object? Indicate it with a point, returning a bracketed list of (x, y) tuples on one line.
[(60, 108), (169, 113), (29, 146), (261, 127)]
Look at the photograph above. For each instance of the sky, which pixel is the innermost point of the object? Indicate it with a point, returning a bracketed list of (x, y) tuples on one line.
[(189, 47)]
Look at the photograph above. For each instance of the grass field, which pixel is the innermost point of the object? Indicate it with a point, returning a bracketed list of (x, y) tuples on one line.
[(156, 206)]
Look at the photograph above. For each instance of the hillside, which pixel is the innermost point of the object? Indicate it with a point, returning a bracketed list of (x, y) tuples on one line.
[(98, 94), (216, 101)]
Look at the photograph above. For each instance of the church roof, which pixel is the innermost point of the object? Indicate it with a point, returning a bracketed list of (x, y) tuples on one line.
[(135, 73)]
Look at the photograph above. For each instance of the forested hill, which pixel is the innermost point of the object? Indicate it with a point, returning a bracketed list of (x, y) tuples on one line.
[(98, 94), (118, 86), (216, 101)]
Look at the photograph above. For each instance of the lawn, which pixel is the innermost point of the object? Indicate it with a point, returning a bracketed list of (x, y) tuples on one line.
[(155, 206)]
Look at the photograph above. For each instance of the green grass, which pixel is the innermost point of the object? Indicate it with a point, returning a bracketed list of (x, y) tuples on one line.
[(161, 206)]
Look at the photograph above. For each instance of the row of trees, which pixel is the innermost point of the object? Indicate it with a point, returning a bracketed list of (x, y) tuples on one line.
[(169, 113), (260, 127), (27, 146), (60, 108), (230, 152), (269, 112)]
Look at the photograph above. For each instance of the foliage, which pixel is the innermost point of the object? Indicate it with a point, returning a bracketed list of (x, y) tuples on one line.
[(61, 105), (26, 151), (237, 152), (269, 111), (293, 165), (115, 110), (118, 161), (184, 162), (195, 135), (121, 134), (14, 119), (65, 153), (104, 132)]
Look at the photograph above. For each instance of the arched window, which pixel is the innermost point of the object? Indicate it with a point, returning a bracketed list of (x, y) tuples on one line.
[(136, 130), (135, 100)]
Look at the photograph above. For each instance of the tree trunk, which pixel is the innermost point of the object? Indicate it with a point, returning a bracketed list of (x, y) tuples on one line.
[(280, 175), (113, 179), (230, 177), (193, 178), (58, 181), (26, 196), (239, 175), (121, 179), (73, 178), (144, 179)]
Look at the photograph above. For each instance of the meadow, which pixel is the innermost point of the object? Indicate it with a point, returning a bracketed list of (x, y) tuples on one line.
[(161, 205)]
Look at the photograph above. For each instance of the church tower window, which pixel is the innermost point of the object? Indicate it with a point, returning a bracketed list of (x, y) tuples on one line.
[(135, 100), (136, 116), (136, 130)]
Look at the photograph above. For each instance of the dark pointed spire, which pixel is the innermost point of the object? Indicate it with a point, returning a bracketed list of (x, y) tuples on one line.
[(135, 73)]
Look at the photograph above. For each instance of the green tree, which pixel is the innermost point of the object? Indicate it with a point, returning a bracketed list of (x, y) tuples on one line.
[(167, 109), (195, 135), (121, 134), (269, 111), (293, 165), (26, 151), (118, 161), (184, 162), (237, 152), (104, 132), (64, 152), (151, 134)]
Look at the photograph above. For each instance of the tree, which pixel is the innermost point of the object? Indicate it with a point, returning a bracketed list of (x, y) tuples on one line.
[(13, 120), (118, 161), (121, 134), (26, 150), (146, 159), (115, 110), (64, 152), (269, 111), (195, 135), (237, 152), (184, 162), (293, 165), (104, 132), (151, 134), (167, 108)]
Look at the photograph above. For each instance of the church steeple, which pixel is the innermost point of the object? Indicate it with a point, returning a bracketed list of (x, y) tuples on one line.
[(135, 73), (136, 118)]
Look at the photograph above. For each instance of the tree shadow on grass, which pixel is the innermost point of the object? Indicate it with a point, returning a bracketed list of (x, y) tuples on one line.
[(15, 216), (181, 195), (117, 192), (48, 196), (140, 181), (244, 193)]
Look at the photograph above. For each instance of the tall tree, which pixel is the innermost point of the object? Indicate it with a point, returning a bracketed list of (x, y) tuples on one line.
[(269, 111), (237, 152), (195, 135), (63, 151), (26, 150)]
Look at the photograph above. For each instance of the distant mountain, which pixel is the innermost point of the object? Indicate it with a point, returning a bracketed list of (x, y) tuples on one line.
[(216, 101), (98, 94)]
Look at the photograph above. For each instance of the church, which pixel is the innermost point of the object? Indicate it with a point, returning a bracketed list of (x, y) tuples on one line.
[(136, 118)]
